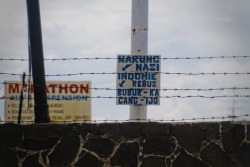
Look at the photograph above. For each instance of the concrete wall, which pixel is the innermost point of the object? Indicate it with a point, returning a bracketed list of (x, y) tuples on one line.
[(125, 144)]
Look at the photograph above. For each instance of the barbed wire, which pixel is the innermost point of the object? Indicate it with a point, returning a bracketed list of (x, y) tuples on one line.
[(162, 97), (114, 73), (78, 97), (115, 58), (222, 118), (163, 89)]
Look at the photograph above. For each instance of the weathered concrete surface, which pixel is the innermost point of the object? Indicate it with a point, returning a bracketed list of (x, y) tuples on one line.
[(125, 144)]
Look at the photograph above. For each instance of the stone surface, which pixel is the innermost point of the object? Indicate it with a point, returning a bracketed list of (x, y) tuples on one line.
[(211, 131), (111, 130), (242, 155), (158, 145), (32, 161), (131, 130), (44, 155), (232, 136), (126, 155), (21, 154), (185, 160), (103, 147), (41, 137), (168, 162), (8, 158), (215, 156), (10, 135), (84, 129), (88, 160), (66, 150), (248, 132), (152, 161), (153, 129), (125, 145), (189, 136), (167, 128)]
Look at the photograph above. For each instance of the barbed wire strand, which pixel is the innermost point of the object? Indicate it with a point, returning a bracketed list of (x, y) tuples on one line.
[(114, 73), (79, 97), (115, 58), (140, 120), (163, 89)]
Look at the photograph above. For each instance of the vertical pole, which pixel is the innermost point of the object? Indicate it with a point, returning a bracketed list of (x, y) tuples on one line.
[(139, 46), (21, 100), (36, 48)]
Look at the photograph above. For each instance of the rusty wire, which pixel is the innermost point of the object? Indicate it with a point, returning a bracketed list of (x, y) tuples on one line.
[(114, 97), (114, 73), (163, 89), (115, 58), (213, 118)]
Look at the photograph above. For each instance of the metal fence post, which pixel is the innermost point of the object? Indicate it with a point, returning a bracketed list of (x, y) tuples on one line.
[(139, 46)]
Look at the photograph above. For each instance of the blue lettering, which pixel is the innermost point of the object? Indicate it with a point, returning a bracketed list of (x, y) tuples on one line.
[(127, 100), (129, 92), (85, 98), (143, 84), (58, 97), (121, 59), (138, 59), (152, 100), (154, 92), (147, 67)]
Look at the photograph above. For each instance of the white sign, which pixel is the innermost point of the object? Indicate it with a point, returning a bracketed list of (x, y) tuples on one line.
[(138, 79), (67, 101)]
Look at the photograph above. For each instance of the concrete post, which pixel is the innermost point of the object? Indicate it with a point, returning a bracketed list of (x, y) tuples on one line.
[(139, 46)]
